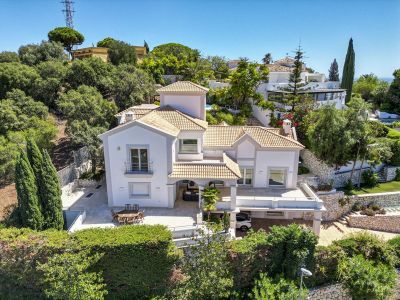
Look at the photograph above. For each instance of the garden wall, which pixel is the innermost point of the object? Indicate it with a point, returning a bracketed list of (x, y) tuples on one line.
[(388, 223), (389, 173), (327, 174), (81, 164), (335, 210)]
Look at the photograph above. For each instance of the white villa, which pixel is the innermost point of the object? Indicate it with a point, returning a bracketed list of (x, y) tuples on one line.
[(159, 155)]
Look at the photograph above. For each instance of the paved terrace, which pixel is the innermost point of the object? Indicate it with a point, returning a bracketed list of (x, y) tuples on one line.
[(98, 214)]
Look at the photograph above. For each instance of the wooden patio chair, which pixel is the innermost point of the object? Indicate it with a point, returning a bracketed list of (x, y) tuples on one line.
[(114, 215)]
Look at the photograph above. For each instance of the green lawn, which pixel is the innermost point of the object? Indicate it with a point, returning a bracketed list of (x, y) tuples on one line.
[(393, 186)]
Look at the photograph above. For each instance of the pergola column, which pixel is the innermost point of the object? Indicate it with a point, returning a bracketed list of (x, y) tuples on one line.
[(233, 196), (317, 222), (201, 189)]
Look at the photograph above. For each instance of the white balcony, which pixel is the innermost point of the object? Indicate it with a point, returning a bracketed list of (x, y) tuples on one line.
[(249, 198)]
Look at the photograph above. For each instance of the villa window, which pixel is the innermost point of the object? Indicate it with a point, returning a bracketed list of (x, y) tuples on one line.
[(247, 176), (139, 189), (188, 146), (139, 159), (276, 177)]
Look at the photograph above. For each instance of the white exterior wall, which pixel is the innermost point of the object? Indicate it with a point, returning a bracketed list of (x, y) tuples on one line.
[(117, 155), (193, 105), (249, 155), (279, 159)]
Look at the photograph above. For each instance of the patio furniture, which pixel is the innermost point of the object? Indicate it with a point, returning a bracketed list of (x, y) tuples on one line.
[(190, 196), (130, 217), (114, 215), (135, 207), (128, 206)]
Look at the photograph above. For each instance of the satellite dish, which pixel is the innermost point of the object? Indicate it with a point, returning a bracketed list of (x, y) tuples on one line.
[(305, 272)]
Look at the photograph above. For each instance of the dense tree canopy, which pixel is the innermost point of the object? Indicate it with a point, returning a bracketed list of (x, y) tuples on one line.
[(88, 115), (132, 86), (245, 80), (8, 56), (33, 54), (120, 52), (16, 76), (68, 37)]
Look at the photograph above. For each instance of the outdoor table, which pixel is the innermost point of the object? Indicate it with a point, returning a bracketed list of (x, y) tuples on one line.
[(125, 215)]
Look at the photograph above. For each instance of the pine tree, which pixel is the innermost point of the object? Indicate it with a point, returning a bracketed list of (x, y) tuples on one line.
[(334, 71), (267, 59), (28, 202), (295, 78), (51, 197), (348, 71)]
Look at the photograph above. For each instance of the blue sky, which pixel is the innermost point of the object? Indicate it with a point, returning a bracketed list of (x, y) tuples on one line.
[(229, 28)]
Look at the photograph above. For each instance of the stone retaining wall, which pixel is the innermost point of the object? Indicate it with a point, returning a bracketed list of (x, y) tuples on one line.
[(330, 292), (388, 223), (389, 173), (325, 173), (335, 210)]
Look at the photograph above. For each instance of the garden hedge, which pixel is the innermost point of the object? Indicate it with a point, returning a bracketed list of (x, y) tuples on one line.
[(137, 260), (136, 264)]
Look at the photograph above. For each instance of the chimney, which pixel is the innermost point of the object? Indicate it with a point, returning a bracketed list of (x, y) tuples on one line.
[(128, 116), (287, 126)]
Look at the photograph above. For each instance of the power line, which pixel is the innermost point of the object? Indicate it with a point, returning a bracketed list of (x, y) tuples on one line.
[(68, 12)]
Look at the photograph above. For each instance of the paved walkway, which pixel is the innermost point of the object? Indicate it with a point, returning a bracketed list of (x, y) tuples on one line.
[(332, 231)]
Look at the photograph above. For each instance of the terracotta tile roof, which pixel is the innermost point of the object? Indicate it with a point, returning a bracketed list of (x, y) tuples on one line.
[(227, 136), (175, 118), (183, 86), (138, 110), (278, 68), (227, 169)]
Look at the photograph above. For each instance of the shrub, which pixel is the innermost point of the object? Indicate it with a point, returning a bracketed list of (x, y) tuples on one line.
[(395, 245), (324, 187), (265, 288), (248, 258), (368, 245), (397, 176), (357, 206), (66, 277), (137, 260), (366, 279), (93, 176), (324, 269), (370, 178), (349, 186), (206, 271), (303, 170), (395, 148), (290, 247), (368, 212)]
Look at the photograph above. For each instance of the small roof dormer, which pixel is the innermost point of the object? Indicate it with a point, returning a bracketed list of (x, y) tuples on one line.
[(185, 96)]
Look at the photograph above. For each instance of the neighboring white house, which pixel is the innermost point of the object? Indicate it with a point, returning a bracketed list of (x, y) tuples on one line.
[(313, 84), (155, 153)]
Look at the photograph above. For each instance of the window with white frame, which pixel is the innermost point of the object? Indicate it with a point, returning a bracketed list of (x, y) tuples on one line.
[(276, 177), (247, 176), (139, 159), (139, 189), (188, 146)]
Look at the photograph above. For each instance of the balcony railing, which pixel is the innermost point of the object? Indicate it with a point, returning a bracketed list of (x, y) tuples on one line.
[(144, 168)]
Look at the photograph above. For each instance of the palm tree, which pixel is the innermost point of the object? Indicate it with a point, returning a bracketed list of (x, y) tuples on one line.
[(267, 59), (210, 197)]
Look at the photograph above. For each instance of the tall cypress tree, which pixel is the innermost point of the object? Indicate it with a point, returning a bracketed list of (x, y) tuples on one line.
[(28, 201), (334, 71), (348, 71), (51, 197), (36, 161)]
